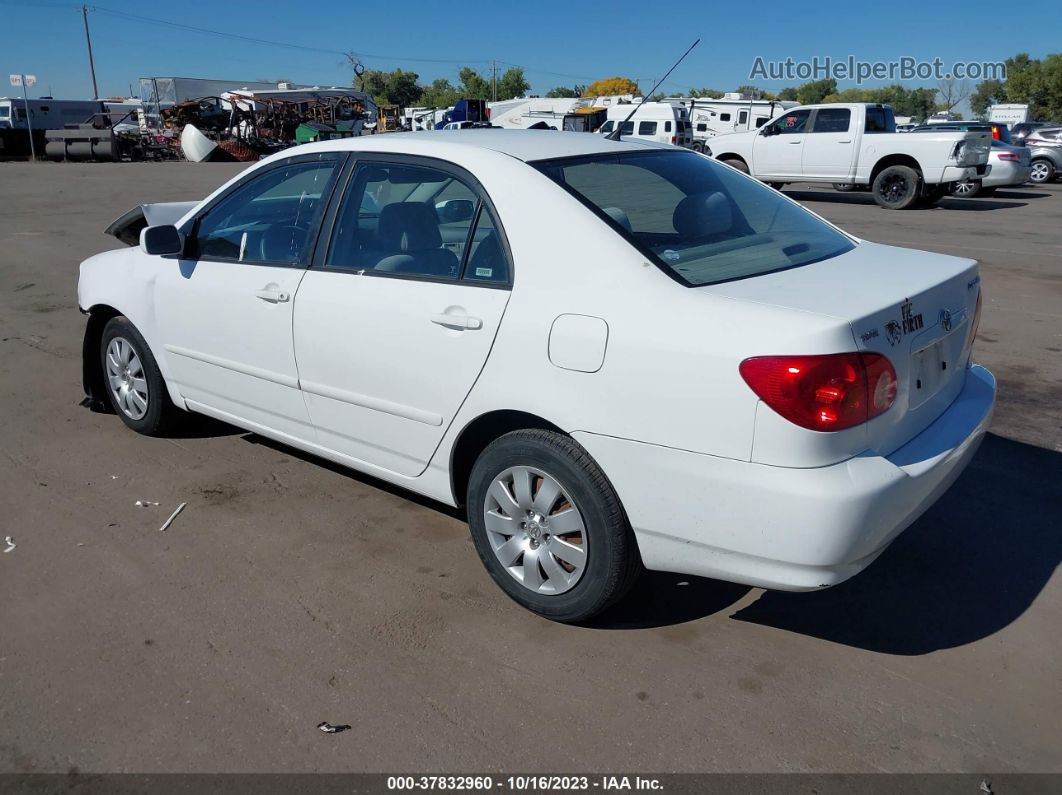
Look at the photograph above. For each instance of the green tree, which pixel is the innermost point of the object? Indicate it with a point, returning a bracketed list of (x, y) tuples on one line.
[(440, 94), (512, 84), (473, 84), (788, 94), (813, 92), (709, 93), (755, 92), (391, 88), (562, 92), (988, 92)]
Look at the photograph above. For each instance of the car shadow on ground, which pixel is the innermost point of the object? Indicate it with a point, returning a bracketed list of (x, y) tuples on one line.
[(968, 568), (947, 203), (1017, 193)]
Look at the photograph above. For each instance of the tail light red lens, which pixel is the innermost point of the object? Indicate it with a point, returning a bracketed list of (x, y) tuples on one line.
[(1007, 156), (995, 132), (823, 393)]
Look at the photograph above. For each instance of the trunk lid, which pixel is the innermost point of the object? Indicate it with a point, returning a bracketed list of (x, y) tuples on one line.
[(911, 306)]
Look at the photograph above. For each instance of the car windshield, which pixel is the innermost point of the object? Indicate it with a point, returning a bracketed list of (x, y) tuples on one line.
[(700, 221)]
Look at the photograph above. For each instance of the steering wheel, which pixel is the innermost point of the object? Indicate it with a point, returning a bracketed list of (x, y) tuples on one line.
[(276, 243)]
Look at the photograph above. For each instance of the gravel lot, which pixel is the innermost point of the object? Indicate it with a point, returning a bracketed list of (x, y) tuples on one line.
[(290, 592)]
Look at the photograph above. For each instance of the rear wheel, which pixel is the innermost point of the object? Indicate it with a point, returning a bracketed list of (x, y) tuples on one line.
[(897, 188), (843, 187), (737, 163), (133, 380), (1043, 170), (966, 189), (549, 527), (777, 185)]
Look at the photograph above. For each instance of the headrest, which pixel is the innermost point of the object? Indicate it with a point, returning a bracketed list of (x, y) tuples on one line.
[(703, 215), (409, 226), (617, 215)]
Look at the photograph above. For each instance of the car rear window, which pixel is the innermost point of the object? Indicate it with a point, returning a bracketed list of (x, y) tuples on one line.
[(701, 222)]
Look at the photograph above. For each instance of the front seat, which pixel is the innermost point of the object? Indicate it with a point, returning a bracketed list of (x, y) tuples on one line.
[(409, 234)]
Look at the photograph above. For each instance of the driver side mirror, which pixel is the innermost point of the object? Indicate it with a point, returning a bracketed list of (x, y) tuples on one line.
[(453, 210), (769, 130), (161, 240)]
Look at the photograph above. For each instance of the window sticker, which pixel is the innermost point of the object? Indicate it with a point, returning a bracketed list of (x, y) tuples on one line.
[(484, 273)]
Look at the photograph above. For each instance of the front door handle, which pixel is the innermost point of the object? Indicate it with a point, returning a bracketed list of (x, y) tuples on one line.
[(458, 322), (845, 142), (797, 141), (273, 296)]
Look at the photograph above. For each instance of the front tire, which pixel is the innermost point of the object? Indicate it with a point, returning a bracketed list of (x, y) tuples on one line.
[(897, 188), (549, 527), (134, 383), (737, 163)]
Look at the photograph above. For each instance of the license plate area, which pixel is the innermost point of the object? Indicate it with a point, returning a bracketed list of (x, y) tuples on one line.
[(931, 367)]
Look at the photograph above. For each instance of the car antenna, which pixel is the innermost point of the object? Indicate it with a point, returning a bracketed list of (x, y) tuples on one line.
[(615, 134)]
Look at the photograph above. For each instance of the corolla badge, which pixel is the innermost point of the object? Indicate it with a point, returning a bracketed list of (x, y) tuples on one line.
[(893, 332), (945, 319)]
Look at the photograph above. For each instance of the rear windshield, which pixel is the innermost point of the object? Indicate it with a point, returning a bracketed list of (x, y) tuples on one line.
[(698, 220)]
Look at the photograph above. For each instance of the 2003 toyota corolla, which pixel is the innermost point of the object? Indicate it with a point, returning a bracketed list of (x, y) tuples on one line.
[(614, 354)]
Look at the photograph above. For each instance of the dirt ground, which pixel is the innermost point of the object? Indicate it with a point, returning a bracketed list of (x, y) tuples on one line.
[(290, 591)]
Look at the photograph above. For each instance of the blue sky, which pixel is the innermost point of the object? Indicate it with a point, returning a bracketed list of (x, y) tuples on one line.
[(558, 43)]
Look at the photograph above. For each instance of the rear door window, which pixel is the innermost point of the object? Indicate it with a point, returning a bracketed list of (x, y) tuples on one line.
[(832, 120), (647, 128)]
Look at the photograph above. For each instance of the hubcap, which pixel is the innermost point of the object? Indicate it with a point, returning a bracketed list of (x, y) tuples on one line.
[(125, 374), (963, 188), (535, 530), (1039, 172)]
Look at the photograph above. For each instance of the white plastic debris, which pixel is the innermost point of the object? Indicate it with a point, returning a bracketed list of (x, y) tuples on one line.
[(172, 516), (146, 504), (328, 728), (10, 543)]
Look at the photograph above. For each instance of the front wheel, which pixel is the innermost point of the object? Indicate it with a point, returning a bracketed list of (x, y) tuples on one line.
[(549, 527), (1043, 170), (737, 163), (897, 188), (966, 189), (134, 383)]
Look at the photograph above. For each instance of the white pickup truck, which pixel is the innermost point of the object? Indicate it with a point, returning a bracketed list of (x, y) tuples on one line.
[(851, 145)]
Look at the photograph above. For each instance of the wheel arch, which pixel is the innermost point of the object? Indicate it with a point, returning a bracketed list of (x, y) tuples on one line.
[(723, 157), (479, 433), (895, 160), (91, 371)]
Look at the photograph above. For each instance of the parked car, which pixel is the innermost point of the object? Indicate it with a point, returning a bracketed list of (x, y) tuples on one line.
[(1045, 152), (856, 144), (1019, 132), (614, 354), (661, 122), (998, 130), (1009, 166)]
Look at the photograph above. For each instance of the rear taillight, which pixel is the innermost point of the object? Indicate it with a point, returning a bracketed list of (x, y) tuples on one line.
[(1008, 156), (972, 334), (823, 393), (995, 132), (672, 139)]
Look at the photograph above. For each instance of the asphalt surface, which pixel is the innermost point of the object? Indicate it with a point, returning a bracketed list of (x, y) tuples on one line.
[(289, 591)]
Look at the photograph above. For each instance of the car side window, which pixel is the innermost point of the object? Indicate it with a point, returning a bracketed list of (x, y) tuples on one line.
[(831, 120), (793, 123), (272, 219), (647, 128), (408, 220), (486, 257)]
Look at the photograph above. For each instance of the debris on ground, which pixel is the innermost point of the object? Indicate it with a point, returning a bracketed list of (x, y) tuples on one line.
[(146, 504), (10, 543), (172, 516), (328, 728)]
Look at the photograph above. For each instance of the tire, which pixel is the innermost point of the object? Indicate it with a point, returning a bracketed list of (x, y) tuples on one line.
[(698, 147), (777, 185), (134, 384), (843, 187), (597, 557), (737, 163), (967, 189), (897, 188), (1043, 171)]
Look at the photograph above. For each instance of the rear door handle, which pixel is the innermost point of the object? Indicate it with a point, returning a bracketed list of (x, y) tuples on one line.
[(797, 141), (273, 296), (458, 322)]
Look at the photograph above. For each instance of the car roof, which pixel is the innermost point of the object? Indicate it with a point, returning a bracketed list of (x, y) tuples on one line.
[(526, 145)]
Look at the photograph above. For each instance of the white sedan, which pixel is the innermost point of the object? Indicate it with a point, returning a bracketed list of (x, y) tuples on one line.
[(614, 354)]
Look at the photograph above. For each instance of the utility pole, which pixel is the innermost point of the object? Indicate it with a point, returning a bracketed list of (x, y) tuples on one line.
[(494, 79), (88, 41)]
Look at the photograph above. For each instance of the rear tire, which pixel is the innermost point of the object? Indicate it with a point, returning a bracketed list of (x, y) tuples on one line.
[(777, 185), (737, 163), (565, 569), (1043, 171), (133, 381), (843, 187), (897, 188)]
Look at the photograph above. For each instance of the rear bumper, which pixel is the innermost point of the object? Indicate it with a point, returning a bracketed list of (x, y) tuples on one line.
[(1007, 173), (958, 174), (787, 528)]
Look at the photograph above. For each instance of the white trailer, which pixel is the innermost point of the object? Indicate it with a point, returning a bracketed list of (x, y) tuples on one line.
[(524, 112), (730, 113)]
